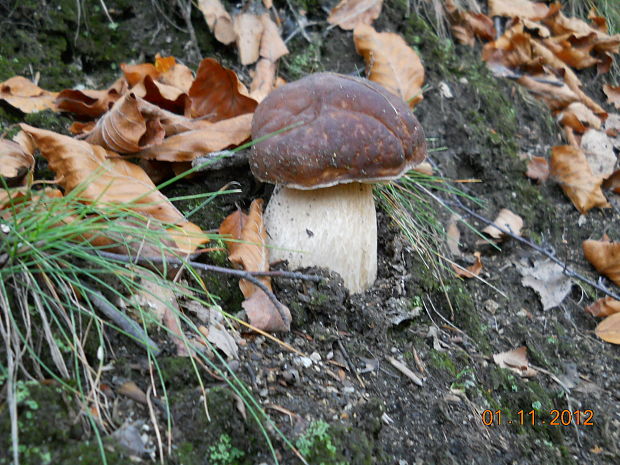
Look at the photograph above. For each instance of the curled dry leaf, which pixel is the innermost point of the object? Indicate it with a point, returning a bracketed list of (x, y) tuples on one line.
[(175, 75), (613, 94), (164, 96), (599, 152), (579, 117), (605, 257), (612, 183), (91, 103), (272, 46), (506, 220), (604, 307), (471, 271), (515, 360), (537, 169), (135, 74), (390, 62), (124, 129), (571, 170), (23, 94), (112, 180), (211, 137), (249, 29), (466, 25), (518, 9), (264, 79), (548, 279), (250, 253), (349, 13), (219, 21), (609, 329), (217, 94), (15, 162)]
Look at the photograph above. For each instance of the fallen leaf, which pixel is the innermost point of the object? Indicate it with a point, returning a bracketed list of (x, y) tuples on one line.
[(515, 360), (15, 163), (164, 96), (466, 25), (349, 13), (390, 62), (612, 183), (272, 46), (613, 95), (217, 94), (604, 307), (506, 220), (215, 331), (599, 152), (211, 137), (579, 117), (23, 94), (537, 169), (453, 236), (219, 21), (250, 253), (571, 170), (548, 280), (105, 179), (609, 329), (124, 129), (91, 103), (177, 75), (264, 79), (471, 271), (605, 257), (135, 74), (518, 8), (249, 29)]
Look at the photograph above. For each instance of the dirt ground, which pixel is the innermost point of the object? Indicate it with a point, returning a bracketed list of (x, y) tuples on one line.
[(376, 415)]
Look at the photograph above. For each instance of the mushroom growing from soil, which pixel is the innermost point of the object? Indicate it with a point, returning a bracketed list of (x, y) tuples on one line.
[(346, 134)]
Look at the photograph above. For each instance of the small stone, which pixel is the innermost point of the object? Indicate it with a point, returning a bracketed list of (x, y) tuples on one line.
[(348, 390), (305, 362), (330, 355), (315, 357)]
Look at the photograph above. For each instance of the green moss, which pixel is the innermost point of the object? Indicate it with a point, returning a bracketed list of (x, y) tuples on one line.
[(442, 361), (303, 60), (49, 120)]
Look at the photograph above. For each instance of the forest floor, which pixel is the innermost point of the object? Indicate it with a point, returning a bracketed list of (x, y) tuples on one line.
[(446, 333)]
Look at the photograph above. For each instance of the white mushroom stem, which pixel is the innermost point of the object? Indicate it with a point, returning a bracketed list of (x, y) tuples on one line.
[(333, 227)]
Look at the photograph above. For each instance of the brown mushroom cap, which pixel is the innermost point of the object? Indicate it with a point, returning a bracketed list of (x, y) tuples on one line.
[(353, 131)]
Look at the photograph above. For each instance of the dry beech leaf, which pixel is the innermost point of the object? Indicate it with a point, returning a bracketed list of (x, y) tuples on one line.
[(219, 21), (111, 180), (91, 103), (571, 170), (579, 117), (605, 257), (249, 30), (217, 94), (549, 281), (613, 95), (211, 137), (453, 236), (612, 183), (349, 13), (599, 151), (251, 254), (604, 307), (537, 169), (506, 220), (471, 271), (391, 62), (515, 360), (135, 74), (264, 79), (15, 162), (609, 329), (272, 46), (18, 195), (23, 94), (164, 96), (124, 129), (178, 76), (466, 26), (518, 8)]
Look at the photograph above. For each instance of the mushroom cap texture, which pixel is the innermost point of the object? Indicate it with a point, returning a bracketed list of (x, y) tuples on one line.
[(346, 129)]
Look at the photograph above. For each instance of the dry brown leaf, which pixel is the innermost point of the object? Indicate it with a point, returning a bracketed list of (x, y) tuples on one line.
[(579, 117), (111, 180), (518, 9), (164, 96), (18, 195), (604, 307), (189, 145), (124, 129), (506, 220), (23, 94), (613, 94), (609, 329), (471, 271), (264, 79), (390, 62), (272, 46), (135, 74), (91, 103), (612, 183), (178, 75), (15, 162), (556, 97), (249, 29), (217, 94), (453, 236), (537, 169), (466, 25), (571, 170), (248, 251), (219, 21), (349, 13), (599, 151), (605, 257), (515, 360)]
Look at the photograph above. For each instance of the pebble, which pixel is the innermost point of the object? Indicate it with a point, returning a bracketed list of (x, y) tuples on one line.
[(315, 357), (305, 362)]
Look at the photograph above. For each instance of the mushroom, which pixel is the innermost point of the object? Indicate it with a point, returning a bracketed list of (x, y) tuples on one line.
[(344, 133)]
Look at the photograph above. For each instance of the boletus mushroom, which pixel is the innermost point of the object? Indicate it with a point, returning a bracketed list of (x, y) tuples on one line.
[(345, 134)]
